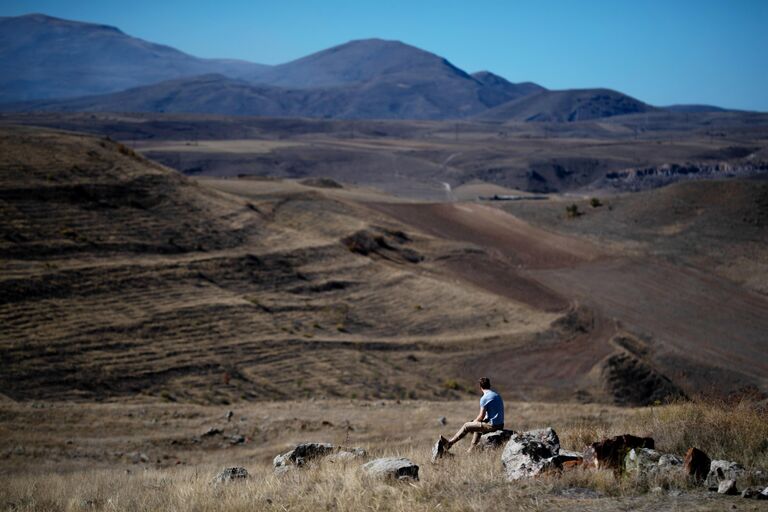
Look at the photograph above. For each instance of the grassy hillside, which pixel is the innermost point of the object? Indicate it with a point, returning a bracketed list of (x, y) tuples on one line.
[(124, 278)]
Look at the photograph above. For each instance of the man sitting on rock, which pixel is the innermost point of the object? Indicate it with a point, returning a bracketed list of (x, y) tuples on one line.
[(490, 419)]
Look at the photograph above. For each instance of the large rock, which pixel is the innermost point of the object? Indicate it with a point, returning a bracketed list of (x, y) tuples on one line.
[(568, 458), (395, 468), (528, 454), (232, 474), (720, 470), (304, 453), (727, 487), (644, 461), (670, 461), (610, 453), (495, 440), (343, 454), (696, 464), (755, 494)]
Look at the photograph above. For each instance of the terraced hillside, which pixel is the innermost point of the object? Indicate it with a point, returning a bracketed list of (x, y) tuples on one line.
[(123, 278)]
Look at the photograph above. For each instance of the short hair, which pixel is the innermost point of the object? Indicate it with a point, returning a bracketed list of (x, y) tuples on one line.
[(484, 382)]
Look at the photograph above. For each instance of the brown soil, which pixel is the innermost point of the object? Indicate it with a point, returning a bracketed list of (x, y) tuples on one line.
[(707, 334)]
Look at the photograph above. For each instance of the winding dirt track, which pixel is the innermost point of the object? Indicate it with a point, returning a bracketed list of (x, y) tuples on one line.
[(703, 331)]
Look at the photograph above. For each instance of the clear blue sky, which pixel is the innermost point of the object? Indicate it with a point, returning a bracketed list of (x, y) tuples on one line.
[(663, 52)]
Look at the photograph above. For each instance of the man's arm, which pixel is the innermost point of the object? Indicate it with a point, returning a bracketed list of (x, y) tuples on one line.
[(481, 416)]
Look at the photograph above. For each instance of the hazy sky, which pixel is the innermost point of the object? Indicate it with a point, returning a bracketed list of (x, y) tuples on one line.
[(663, 52)]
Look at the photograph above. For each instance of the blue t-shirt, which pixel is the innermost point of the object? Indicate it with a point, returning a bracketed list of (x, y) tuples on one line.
[(494, 407)]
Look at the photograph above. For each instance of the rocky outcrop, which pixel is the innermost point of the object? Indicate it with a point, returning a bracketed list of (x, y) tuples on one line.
[(384, 243), (529, 454), (610, 453), (658, 176), (392, 468), (727, 487), (696, 464), (632, 380), (720, 470), (647, 462), (495, 440), (755, 494), (343, 454), (233, 474), (304, 453)]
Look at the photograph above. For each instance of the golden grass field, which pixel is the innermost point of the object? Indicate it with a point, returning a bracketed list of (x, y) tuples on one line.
[(60, 456)]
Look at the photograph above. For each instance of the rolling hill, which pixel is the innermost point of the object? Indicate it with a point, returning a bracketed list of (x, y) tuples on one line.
[(567, 106), (389, 97), (123, 278), (46, 57)]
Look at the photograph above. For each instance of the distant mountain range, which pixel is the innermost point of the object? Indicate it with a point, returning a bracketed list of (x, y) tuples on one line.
[(50, 64)]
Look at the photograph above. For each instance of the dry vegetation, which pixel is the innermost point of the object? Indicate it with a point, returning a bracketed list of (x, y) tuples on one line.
[(77, 478), (155, 303)]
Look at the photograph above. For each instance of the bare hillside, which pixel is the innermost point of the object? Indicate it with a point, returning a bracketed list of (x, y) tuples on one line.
[(123, 278)]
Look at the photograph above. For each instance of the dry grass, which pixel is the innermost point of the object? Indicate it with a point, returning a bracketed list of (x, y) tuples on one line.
[(468, 482), (474, 484)]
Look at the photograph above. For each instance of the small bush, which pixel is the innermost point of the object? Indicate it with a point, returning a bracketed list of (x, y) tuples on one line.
[(595, 203), (572, 211), (452, 384)]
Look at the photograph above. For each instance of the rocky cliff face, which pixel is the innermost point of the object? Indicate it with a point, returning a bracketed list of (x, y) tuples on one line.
[(645, 178)]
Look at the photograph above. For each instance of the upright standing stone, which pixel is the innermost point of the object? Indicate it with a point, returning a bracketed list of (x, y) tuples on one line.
[(696, 464)]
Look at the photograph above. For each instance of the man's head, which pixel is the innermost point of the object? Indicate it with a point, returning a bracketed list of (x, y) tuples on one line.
[(485, 383)]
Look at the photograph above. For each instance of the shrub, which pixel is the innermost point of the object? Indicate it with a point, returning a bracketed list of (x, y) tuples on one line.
[(572, 211)]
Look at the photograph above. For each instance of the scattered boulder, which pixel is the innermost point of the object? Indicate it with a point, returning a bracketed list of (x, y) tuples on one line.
[(495, 440), (569, 458), (755, 494), (237, 439), (347, 454), (528, 454), (696, 464), (137, 457), (393, 468), (442, 420), (382, 242), (670, 461), (610, 453), (303, 453), (213, 431), (229, 415), (439, 451), (727, 487), (644, 461), (641, 461), (233, 474), (720, 470)]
